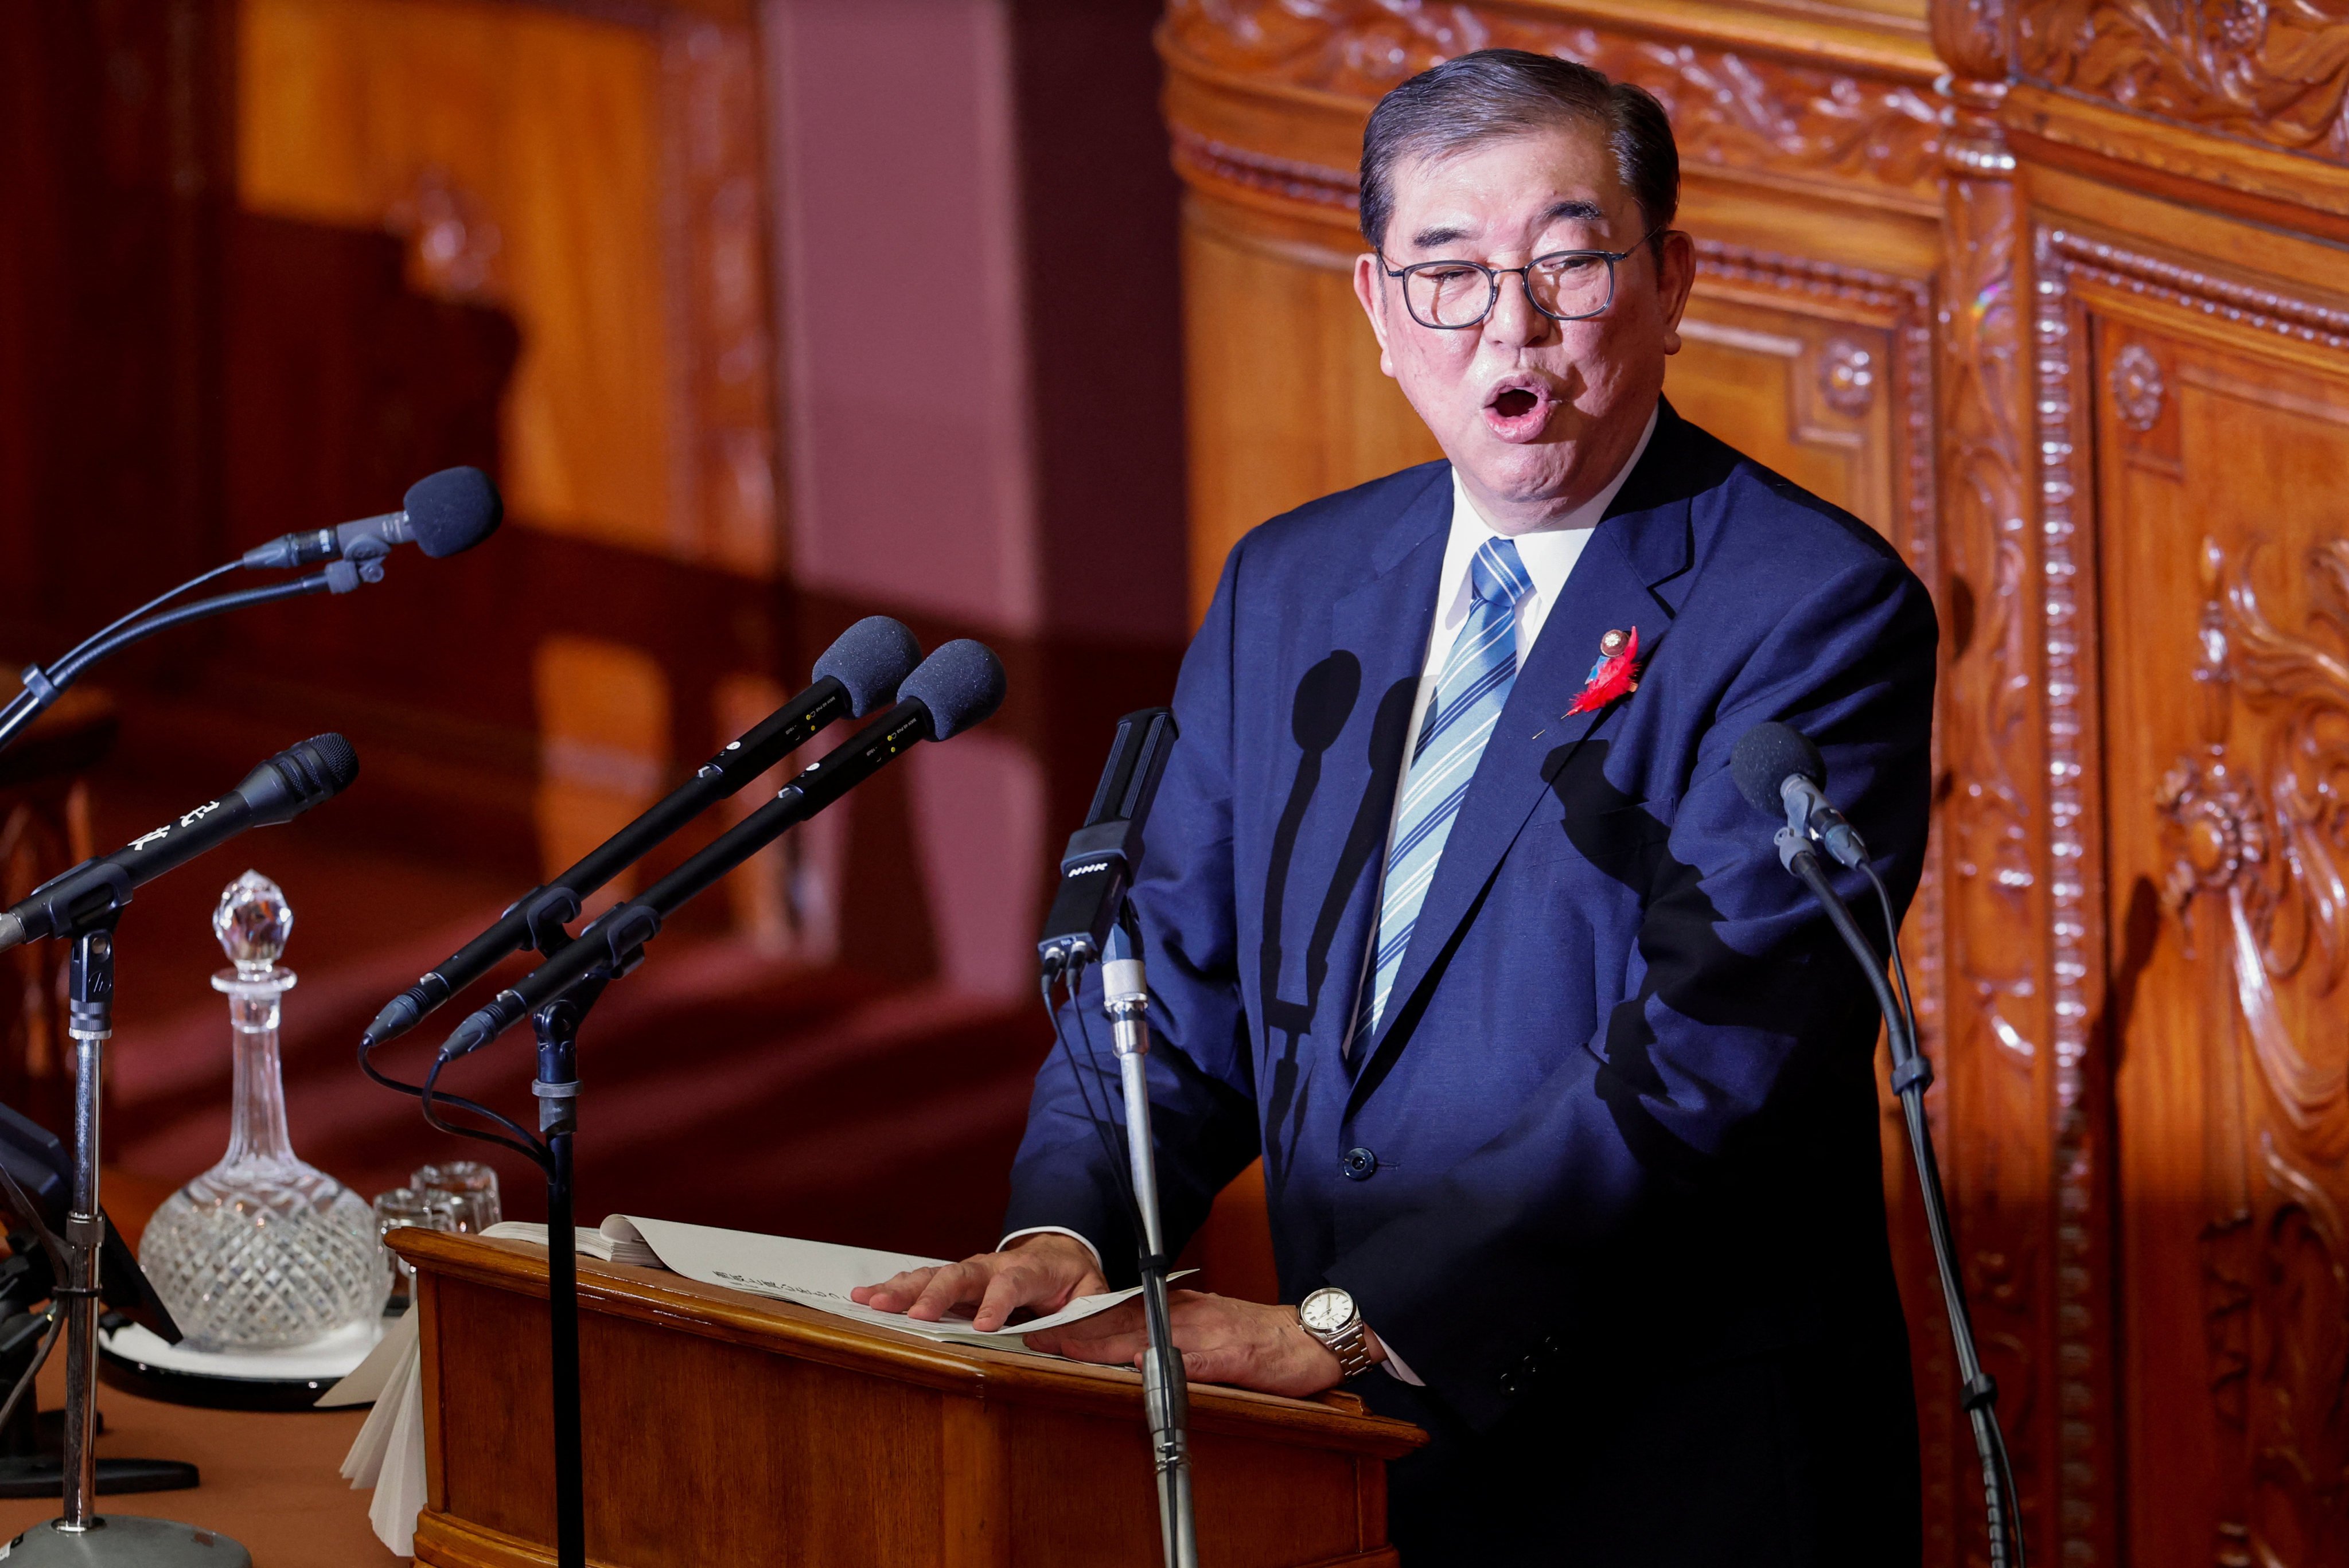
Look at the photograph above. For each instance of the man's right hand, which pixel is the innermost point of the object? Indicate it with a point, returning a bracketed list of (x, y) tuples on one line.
[(1045, 1271)]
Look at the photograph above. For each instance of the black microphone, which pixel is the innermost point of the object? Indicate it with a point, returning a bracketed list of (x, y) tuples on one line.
[(860, 671), (441, 514), (1103, 856), (1781, 773), (959, 685), (83, 899)]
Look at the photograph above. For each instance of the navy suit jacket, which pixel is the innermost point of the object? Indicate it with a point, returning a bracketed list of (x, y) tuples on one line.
[(1619, 1124)]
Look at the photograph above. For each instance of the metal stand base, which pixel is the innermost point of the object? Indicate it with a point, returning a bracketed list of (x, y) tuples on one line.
[(126, 1541)]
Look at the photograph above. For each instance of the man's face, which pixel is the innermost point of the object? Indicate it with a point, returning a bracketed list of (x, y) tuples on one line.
[(1535, 415)]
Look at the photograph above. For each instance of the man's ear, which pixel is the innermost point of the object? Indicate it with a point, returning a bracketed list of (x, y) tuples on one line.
[(1676, 276), (1369, 275)]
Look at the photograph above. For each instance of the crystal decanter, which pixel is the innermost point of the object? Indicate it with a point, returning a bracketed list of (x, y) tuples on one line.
[(261, 1251)]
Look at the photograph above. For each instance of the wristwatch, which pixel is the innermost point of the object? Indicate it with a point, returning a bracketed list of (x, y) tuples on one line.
[(1330, 1316)]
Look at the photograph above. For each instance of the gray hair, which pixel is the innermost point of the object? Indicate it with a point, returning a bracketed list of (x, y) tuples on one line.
[(1491, 93)]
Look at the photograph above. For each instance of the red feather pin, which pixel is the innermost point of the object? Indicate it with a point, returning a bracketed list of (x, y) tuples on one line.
[(1615, 674)]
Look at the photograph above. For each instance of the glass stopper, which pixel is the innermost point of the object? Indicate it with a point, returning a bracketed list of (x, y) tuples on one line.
[(253, 922)]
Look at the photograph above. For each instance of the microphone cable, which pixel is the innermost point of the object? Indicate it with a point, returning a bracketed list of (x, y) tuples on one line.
[(429, 1093), (53, 1247), (157, 603), (42, 686)]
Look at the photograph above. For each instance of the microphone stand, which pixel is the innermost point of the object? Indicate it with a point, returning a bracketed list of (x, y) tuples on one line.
[(1165, 1390), (1913, 1073), (620, 936), (556, 1088), (80, 1536), (557, 1091), (556, 1024)]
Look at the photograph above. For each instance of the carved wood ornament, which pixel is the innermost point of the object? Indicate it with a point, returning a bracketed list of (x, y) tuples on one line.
[(2269, 839), (2258, 835), (1731, 107), (2273, 72)]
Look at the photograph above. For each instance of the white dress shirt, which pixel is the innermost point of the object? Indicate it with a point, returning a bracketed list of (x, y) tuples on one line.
[(1549, 554)]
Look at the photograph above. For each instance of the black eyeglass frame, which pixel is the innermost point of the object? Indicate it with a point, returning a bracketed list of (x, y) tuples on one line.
[(1493, 276)]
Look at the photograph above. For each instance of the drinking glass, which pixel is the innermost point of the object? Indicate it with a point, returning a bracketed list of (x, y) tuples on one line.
[(407, 1206), (473, 1187)]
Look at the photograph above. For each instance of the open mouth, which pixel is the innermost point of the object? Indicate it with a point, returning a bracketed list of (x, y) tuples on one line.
[(1519, 411)]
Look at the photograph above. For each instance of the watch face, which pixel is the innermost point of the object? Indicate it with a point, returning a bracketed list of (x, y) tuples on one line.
[(1326, 1310)]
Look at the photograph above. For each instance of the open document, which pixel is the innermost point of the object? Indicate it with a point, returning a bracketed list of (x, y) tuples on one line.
[(818, 1275), (811, 1273)]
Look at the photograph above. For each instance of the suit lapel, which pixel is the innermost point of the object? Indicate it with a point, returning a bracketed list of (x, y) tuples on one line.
[(1622, 580)]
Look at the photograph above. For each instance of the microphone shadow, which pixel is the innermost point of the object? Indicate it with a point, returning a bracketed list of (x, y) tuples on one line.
[(1689, 968), (1324, 702)]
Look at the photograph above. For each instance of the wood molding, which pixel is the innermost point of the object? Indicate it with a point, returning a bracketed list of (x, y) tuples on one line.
[(2000, 838), (2085, 1329), (444, 1541), (2182, 164), (1764, 99), (1905, 306), (1205, 160), (2203, 292), (1361, 47)]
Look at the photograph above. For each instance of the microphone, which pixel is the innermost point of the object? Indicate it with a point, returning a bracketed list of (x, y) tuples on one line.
[(83, 898), (1103, 856), (453, 510), (1781, 773), (441, 514), (959, 685), (859, 671)]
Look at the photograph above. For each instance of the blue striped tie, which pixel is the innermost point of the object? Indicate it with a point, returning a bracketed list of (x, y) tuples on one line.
[(1469, 696)]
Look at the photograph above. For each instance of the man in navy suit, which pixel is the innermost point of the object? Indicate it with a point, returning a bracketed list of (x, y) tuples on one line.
[(1454, 913)]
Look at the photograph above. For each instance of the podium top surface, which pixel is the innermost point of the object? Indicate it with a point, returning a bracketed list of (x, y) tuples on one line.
[(1335, 1420)]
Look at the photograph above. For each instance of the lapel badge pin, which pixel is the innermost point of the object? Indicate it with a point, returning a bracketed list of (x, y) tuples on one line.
[(1615, 674)]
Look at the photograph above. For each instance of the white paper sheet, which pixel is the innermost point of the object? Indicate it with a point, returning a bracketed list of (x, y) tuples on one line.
[(399, 1485), (819, 1274), (367, 1381), (389, 1453)]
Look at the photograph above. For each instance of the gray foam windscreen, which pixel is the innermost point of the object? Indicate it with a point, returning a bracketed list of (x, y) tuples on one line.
[(962, 685)]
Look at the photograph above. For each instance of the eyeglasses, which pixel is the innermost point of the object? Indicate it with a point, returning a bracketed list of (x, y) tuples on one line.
[(1565, 285)]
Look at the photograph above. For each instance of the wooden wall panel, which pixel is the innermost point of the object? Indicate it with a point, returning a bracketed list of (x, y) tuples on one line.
[(1285, 398), (2217, 449), (519, 150), (1795, 393), (528, 237)]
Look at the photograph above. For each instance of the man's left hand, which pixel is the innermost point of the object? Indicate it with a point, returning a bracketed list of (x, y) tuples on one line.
[(1223, 1340)]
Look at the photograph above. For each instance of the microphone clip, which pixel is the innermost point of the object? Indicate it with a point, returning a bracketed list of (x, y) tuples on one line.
[(348, 573), (544, 915), (1793, 844)]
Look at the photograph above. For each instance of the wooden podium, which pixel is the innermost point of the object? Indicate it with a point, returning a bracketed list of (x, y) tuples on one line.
[(726, 1429)]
